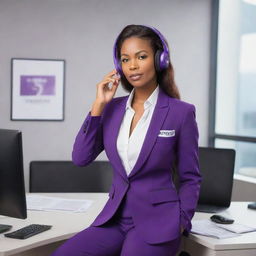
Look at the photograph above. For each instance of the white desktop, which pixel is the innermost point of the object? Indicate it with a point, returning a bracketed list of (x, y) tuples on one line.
[(66, 224)]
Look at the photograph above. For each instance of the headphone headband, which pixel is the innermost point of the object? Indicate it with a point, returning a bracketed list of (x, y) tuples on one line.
[(161, 58), (162, 39)]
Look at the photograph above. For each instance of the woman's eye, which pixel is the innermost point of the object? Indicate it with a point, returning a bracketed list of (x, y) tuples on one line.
[(140, 57), (143, 56)]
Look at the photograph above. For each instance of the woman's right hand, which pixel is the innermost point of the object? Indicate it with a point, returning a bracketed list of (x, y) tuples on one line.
[(104, 93)]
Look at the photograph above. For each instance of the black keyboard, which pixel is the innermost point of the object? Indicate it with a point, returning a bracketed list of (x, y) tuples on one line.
[(28, 231)]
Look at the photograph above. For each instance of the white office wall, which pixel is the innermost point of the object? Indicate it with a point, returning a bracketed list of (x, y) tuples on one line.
[(83, 33)]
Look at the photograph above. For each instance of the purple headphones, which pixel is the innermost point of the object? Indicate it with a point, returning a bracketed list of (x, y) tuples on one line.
[(161, 57)]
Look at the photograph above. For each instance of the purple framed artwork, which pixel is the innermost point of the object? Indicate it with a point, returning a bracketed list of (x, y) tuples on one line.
[(37, 89)]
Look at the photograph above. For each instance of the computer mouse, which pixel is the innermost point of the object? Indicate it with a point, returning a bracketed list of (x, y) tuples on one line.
[(252, 206), (221, 219)]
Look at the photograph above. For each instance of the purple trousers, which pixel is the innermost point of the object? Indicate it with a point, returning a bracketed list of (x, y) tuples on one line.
[(117, 237)]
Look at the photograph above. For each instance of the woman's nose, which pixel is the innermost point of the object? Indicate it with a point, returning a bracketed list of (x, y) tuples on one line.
[(133, 64)]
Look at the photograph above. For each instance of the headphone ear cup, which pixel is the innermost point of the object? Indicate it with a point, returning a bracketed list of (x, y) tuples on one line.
[(157, 60)]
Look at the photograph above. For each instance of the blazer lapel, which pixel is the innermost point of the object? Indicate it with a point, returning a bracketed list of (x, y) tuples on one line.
[(158, 117), (118, 115)]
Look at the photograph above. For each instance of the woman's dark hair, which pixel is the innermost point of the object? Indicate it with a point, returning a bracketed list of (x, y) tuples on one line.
[(165, 78)]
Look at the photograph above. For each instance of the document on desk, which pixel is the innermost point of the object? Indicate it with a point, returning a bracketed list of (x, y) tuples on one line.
[(237, 228), (47, 203), (209, 228)]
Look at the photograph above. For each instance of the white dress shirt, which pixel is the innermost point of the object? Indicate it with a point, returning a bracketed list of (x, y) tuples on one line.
[(129, 148)]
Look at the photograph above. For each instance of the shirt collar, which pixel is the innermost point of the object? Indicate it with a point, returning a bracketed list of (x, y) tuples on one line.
[(151, 100)]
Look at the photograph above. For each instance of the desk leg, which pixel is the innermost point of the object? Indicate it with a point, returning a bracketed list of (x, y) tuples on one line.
[(194, 248)]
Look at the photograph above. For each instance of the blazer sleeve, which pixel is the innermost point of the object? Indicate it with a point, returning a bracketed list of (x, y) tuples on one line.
[(188, 168), (89, 140)]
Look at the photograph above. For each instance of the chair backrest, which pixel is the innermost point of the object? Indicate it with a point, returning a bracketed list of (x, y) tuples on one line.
[(64, 176), (217, 169)]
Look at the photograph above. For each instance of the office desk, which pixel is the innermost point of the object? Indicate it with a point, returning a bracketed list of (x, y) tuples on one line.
[(67, 224), (244, 245)]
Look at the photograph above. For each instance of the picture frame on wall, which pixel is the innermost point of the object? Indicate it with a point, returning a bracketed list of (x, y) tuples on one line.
[(37, 89)]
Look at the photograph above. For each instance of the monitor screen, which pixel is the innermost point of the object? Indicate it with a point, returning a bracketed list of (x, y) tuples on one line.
[(12, 187)]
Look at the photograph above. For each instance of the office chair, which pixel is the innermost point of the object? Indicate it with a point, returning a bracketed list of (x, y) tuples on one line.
[(217, 170), (64, 176)]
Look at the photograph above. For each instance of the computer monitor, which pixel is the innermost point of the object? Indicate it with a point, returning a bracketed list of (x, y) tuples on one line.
[(217, 170), (12, 188)]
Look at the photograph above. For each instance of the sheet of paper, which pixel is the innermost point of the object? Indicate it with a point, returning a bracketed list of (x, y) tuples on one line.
[(46, 203), (209, 228), (237, 228)]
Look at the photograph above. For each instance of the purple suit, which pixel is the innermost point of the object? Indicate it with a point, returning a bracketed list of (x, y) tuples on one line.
[(158, 210)]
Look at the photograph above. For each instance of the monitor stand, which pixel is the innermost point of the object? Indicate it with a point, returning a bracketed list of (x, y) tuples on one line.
[(4, 227)]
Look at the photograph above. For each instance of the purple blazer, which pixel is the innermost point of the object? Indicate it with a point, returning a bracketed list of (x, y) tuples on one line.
[(158, 209)]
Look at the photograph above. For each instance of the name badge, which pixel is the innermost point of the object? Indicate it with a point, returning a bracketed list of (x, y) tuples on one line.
[(166, 133)]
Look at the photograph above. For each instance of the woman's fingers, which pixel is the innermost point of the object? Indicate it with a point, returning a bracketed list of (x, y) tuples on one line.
[(107, 87), (109, 80), (110, 74)]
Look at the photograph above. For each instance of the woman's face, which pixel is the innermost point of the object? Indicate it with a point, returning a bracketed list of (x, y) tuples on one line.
[(137, 57)]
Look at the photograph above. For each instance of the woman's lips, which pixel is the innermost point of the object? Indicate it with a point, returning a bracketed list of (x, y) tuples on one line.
[(135, 77)]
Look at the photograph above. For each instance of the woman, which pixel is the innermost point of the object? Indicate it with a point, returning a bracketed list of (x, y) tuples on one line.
[(144, 135)]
